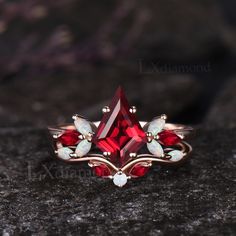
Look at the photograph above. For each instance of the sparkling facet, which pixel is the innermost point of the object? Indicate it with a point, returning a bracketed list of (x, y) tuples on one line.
[(139, 170), (101, 170), (119, 132), (120, 179), (69, 138), (168, 138)]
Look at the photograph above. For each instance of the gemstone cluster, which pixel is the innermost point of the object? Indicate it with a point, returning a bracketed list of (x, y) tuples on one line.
[(119, 136)]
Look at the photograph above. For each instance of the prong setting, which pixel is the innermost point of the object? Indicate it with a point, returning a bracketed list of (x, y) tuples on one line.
[(56, 136), (105, 109), (106, 154), (75, 116), (149, 137), (163, 116), (81, 137), (73, 155), (133, 154), (133, 110), (89, 136), (116, 159)]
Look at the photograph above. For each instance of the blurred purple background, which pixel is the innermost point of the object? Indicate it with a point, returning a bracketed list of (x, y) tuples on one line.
[(66, 56)]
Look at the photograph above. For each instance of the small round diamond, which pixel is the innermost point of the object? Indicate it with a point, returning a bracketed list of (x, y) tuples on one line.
[(120, 179)]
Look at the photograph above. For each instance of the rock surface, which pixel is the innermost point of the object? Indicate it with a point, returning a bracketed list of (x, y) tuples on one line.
[(43, 196), (223, 112)]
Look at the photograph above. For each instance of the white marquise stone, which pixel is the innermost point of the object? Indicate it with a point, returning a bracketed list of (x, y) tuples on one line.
[(83, 148), (155, 148), (176, 155), (156, 126), (82, 125), (64, 153), (120, 179)]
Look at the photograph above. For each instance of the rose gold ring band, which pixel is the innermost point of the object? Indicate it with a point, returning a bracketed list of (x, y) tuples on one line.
[(119, 146)]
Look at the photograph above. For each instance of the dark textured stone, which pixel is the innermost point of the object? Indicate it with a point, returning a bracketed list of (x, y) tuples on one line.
[(195, 199), (223, 111)]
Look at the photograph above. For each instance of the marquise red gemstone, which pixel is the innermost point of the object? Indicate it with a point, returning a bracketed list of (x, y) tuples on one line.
[(168, 138), (101, 170), (69, 138), (119, 132), (139, 170)]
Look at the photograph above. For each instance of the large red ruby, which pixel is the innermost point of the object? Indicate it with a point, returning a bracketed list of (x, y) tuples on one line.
[(168, 138), (101, 170), (69, 138), (119, 131), (139, 170)]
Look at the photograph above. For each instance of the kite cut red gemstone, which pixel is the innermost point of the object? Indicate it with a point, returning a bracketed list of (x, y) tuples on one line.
[(69, 138), (101, 170), (139, 170), (168, 138), (119, 132)]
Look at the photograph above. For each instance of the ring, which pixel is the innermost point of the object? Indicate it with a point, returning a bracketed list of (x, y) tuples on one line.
[(119, 147)]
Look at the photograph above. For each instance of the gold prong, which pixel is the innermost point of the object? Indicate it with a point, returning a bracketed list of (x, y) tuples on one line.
[(105, 109), (74, 155), (163, 116), (75, 116), (106, 154), (56, 136), (167, 156), (133, 110), (89, 137), (150, 137), (133, 154)]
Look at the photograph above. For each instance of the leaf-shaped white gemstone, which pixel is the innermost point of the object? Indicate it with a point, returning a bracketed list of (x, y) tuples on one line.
[(176, 155), (156, 126), (64, 153), (83, 148), (155, 148), (82, 125)]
